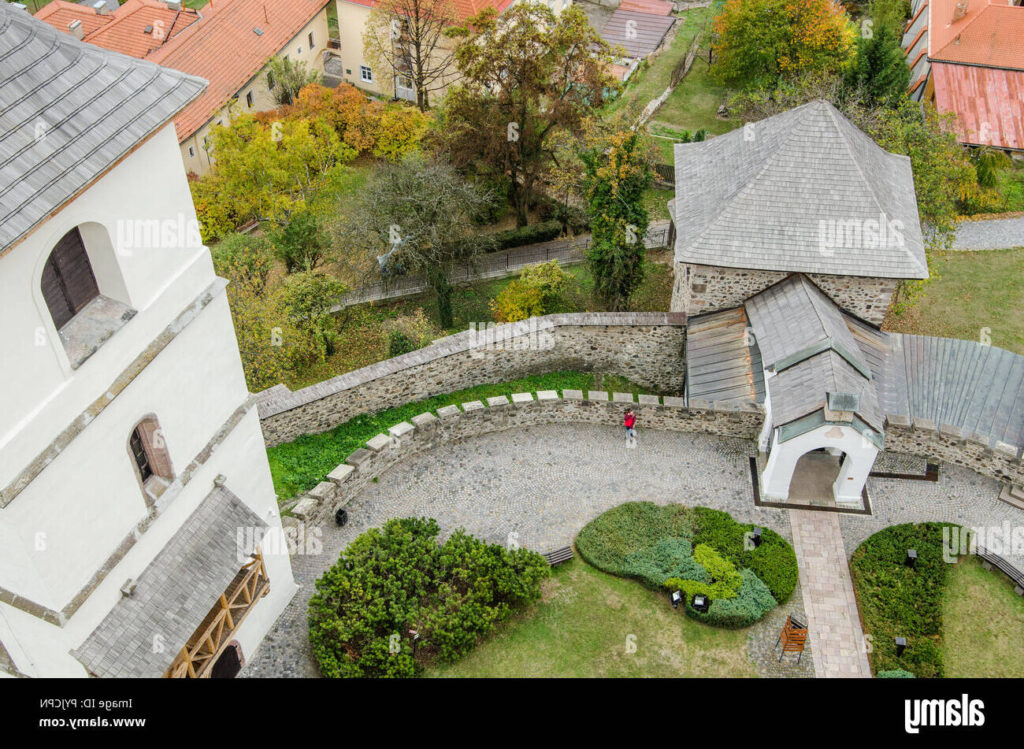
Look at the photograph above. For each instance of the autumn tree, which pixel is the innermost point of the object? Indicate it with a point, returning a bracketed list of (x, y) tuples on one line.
[(617, 176), (407, 39), (524, 76), (286, 77), (415, 217), (757, 42), (266, 170)]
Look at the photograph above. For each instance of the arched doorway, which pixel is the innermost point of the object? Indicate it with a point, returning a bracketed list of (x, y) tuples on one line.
[(228, 664)]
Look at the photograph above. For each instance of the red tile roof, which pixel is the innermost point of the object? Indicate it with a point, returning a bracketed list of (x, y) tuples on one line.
[(991, 32), (463, 8), (986, 102), (217, 43), (652, 7)]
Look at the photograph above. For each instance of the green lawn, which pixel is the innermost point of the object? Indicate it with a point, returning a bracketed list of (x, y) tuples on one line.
[(654, 76), (694, 103), (585, 626), (970, 291), (983, 622)]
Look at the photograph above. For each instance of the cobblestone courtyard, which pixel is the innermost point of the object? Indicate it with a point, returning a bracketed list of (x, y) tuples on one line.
[(544, 484)]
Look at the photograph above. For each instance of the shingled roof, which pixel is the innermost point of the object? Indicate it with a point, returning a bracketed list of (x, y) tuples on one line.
[(70, 112), (803, 191), (175, 592), (807, 341)]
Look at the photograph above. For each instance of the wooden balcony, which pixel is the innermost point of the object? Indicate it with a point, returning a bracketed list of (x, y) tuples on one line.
[(202, 650)]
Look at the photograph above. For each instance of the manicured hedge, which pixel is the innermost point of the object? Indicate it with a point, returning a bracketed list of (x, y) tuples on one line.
[(529, 234), (900, 601), (774, 560), (665, 545)]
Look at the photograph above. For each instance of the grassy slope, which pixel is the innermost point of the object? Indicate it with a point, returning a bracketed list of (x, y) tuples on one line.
[(580, 629), (970, 291), (983, 623)]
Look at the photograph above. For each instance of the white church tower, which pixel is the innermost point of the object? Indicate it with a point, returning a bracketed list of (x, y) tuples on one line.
[(139, 533)]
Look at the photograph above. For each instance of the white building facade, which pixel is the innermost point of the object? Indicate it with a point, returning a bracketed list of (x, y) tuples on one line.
[(135, 495)]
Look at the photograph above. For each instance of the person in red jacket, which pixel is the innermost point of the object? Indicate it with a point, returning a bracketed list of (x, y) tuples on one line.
[(630, 422)]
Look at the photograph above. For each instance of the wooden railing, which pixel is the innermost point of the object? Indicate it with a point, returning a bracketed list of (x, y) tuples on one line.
[(197, 657)]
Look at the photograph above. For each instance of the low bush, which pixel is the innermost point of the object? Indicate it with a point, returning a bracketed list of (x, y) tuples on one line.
[(750, 602), (773, 561), (896, 673), (900, 601), (673, 547), (397, 600), (530, 234)]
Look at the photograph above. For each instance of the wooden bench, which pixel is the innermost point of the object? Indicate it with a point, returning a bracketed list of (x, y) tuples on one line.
[(793, 638), (558, 556), (990, 560)]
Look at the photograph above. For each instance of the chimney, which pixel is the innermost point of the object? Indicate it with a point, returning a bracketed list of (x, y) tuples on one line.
[(959, 11), (174, 4), (19, 6), (101, 8), (76, 30)]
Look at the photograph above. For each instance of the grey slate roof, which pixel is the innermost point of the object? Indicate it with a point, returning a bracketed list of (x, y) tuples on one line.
[(90, 106), (963, 384), (638, 33), (770, 196), (175, 592), (807, 340), (723, 363)]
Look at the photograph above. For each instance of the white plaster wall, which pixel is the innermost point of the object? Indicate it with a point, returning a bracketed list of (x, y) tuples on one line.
[(778, 472), (39, 392)]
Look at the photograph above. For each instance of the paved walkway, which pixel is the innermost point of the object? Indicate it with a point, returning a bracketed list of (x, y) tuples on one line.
[(994, 234), (544, 484), (837, 641)]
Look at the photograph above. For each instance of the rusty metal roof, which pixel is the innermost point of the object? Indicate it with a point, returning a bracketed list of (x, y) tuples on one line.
[(988, 103)]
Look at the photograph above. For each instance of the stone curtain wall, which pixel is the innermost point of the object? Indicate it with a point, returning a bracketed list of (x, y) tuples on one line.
[(949, 444), (708, 288), (646, 347), (476, 418)]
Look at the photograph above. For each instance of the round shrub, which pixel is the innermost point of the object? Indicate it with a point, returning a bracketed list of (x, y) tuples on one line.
[(396, 582)]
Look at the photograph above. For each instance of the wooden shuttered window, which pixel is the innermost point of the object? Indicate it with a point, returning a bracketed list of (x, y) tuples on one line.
[(68, 282)]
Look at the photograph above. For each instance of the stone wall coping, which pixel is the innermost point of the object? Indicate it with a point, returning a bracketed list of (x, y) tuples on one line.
[(497, 401), (897, 420), (520, 398), (622, 398), (424, 420), (472, 406), (1004, 448), (274, 401), (547, 395), (924, 424), (340, 474), (649, 400), (400, 430), (378, 443), (323, 490), (597, 395), (572, 395), (448, 411), (674, 401), (359, 457), (951, 431)]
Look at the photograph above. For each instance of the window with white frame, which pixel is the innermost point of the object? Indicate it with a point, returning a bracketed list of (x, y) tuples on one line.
[(365, 74)]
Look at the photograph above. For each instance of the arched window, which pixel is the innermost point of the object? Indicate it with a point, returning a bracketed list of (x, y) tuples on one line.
[(68, 281), (149, 452)]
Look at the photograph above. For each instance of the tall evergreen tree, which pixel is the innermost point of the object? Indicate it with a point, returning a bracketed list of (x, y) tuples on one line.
[(616, 178), (879, 66)]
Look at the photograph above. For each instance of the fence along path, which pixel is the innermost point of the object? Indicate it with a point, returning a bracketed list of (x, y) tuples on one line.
[(496, 265)]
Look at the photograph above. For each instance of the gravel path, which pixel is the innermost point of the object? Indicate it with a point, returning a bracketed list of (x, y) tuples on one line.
[(544, 484), (994, 234)]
